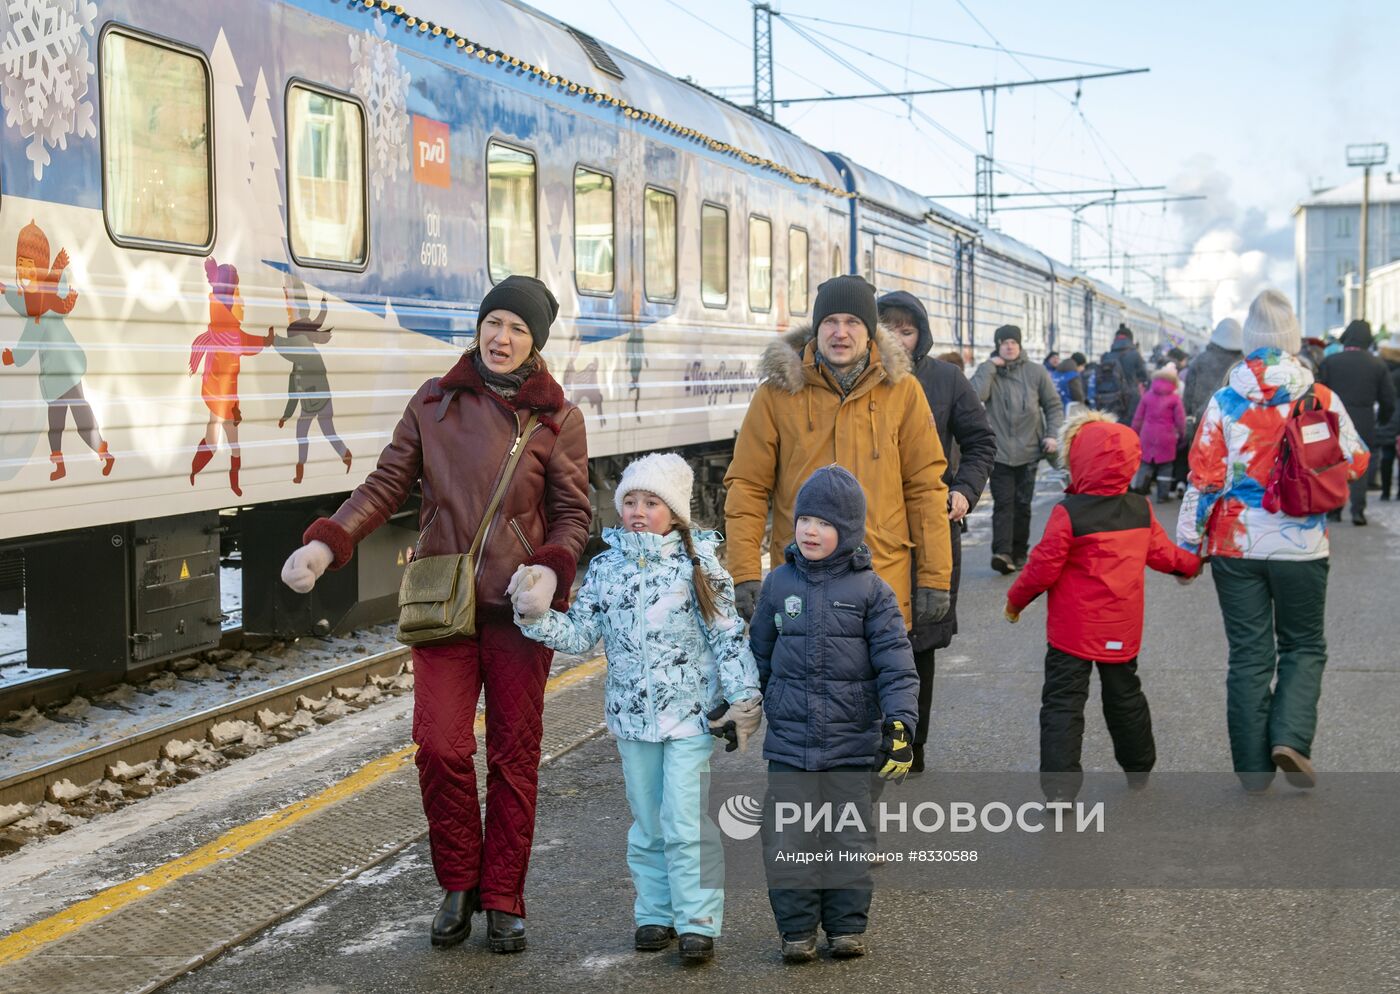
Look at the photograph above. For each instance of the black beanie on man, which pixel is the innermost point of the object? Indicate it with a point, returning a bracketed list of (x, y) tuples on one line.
[(1007, 331), (846, 295), (834, 495), (524, 296)]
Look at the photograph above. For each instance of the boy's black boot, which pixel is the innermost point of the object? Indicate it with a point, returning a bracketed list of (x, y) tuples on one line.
[(846, 946), (453, 922), (653, 938), (505, 932), (799, 948), (696, 948)]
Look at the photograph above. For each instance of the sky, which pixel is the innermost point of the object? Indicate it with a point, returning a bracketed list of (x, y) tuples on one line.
[(1251, 104)]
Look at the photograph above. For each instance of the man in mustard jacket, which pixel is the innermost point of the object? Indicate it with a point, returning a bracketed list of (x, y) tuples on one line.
[(841, 391)]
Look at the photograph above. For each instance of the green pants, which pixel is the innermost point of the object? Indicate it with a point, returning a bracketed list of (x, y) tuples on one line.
[(1273, 611)]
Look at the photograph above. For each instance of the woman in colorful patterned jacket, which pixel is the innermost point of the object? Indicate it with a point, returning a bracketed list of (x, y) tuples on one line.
[(1270, 569)]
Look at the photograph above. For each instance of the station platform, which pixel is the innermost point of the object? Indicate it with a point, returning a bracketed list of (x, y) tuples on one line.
[(305, 870)]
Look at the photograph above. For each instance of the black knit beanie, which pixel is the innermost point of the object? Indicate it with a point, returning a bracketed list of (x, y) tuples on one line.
[(846, 295), (527, 297), (1007, 331), (835, 496)]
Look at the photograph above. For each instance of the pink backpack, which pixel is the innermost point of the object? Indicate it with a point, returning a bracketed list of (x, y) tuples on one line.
[(1310, 473)]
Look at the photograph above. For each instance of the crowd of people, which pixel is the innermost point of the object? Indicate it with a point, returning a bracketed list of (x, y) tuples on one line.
[(860, 458)]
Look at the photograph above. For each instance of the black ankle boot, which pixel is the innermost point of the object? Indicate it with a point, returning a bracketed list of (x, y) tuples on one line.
[(696, 948), (506, 932), (453, 922)]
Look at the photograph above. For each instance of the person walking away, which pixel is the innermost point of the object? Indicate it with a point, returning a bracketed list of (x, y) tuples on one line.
[(1024, 410), (454, 440), (1069, 382), (1388, 433), (664, 608), (1121, 377), (1364, 383), (971, 447), (841, 390), (1160, 422), (840, 695), (1098, 541), (1270, 569)]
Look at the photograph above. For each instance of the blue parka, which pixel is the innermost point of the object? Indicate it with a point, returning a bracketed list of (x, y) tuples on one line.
[(834, 661)]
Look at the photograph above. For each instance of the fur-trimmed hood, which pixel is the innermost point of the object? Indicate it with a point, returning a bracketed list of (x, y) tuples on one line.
[(1108, 459), (783, 360)]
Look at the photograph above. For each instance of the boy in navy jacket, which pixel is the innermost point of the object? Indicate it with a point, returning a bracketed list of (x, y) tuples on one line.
[(841, 698), (1091, 559)]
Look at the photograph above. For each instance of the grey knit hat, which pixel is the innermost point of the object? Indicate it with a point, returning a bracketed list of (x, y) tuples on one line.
[(835, 496), (1227, 335), (1271, 324), (846, 295)]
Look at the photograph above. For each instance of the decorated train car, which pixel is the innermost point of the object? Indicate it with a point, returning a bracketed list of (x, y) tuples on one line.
[(243, 237)]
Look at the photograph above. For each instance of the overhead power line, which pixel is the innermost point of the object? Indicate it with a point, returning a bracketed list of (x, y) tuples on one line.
[(974, 88), (1049, 193), (1103, 203)]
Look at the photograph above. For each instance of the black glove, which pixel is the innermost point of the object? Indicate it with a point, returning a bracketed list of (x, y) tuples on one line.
[(931, 606), (746, 598), (896, 751)]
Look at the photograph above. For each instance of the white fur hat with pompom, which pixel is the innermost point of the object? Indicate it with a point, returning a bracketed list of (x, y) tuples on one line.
[(662, 473)]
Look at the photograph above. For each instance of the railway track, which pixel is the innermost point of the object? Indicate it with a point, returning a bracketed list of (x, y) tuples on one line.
[(139, 763)]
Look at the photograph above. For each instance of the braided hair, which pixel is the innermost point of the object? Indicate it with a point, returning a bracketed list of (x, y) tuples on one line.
[(704, 585)]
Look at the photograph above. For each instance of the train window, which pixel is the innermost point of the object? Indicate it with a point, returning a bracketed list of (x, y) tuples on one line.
[(714, 255), (593, 231), (158, 167), (797, 271), (326, 213), (659, 244), (760, 263), (510, 212), (835, 260)]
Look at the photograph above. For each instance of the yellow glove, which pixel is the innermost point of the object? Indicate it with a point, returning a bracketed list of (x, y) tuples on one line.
[(895, 748), (1010, 613)]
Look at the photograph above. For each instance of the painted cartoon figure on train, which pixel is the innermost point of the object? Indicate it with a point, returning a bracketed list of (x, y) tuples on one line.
[(307, 384), (221, 350), (42, 297)]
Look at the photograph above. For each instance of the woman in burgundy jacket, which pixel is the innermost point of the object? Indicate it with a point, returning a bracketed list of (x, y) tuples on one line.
[(454, 438)]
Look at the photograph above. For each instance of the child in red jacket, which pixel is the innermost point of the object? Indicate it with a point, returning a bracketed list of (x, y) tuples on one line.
[(1091, 560)]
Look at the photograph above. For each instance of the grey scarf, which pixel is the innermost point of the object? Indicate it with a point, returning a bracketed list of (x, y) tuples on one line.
[(506, 385), (845, 381)]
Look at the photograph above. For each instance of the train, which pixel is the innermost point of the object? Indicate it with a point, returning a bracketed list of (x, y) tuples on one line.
[(246, 233)]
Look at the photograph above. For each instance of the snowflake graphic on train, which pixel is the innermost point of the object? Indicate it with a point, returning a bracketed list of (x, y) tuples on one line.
[(43, 297), (47, 68), (378, 78)]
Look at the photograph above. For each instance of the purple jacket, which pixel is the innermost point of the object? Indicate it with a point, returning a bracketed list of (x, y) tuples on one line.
[(1160, 421)]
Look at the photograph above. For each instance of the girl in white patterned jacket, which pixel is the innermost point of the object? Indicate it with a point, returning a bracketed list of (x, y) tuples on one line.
[(677, 653)]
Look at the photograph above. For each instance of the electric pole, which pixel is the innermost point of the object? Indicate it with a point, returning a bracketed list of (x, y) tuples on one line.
[(763, 59), (1365, 156)]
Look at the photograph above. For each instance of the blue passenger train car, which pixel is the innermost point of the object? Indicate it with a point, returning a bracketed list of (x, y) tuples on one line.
[(245, 234)]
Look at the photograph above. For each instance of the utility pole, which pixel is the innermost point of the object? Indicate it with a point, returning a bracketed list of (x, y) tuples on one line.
[(983, 210), (763, 59), (1365, 156)]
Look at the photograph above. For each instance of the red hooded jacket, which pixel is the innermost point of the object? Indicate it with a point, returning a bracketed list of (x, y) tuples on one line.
[(1095, 546)]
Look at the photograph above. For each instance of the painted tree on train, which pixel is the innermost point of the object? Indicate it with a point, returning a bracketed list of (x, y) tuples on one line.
[(220, 350), (308, 385), (43, 297), (264, 187)]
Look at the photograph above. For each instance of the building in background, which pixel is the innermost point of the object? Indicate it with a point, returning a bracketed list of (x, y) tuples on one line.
[(1382, 299), (1327, 249)]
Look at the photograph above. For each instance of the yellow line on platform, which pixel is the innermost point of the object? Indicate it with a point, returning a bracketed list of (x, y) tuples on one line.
[(234, 841)]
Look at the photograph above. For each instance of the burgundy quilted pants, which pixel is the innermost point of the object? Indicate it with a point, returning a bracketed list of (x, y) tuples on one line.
[(447, 682)]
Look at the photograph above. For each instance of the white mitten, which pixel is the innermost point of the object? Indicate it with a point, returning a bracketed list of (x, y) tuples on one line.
[(305, 566), (531, 592)]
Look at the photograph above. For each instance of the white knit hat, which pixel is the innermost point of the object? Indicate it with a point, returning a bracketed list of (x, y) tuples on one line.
[(1227, 335), (1271, 324), (663, 473)]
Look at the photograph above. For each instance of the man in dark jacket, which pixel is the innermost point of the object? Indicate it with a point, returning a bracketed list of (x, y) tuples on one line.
[(971, 447), (840, 696), (1024, 409), (1386, 432), (1206, 374), (1130, 374), (1363, 382)]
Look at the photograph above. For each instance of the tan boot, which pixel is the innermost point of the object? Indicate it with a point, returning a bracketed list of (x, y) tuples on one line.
[(1297, 768)]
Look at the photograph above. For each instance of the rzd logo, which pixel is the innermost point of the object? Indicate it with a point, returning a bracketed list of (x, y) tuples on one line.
[(432, 148), (740, 817)]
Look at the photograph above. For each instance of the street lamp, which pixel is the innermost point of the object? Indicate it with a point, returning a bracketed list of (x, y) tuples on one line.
[(1366, 156)]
